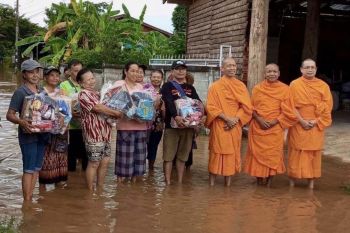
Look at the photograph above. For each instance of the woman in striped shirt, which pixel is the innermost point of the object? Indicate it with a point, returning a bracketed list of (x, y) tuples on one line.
[(96, 130)]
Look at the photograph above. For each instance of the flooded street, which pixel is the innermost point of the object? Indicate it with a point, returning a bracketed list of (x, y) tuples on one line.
[(150, 206)]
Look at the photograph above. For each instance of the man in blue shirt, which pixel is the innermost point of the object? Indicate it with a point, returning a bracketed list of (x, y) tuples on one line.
[(32, 144)]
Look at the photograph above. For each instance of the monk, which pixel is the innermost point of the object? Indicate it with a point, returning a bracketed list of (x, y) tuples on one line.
[(313, 106), (228, 110), (273, 113)]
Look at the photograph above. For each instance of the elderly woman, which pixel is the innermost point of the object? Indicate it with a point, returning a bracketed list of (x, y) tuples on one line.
[(96, 130), (157, 127), (55, 165), (131, 134)]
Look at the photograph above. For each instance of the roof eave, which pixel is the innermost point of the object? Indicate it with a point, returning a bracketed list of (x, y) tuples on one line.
[(180, 2)]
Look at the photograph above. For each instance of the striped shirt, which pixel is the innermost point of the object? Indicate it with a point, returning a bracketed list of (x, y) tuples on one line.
[(94, 125)]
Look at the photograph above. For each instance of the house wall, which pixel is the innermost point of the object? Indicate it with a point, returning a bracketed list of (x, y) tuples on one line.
[(212, 23)]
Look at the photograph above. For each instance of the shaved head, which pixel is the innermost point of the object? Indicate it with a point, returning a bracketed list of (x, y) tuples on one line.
[(308, 68), (272, 72), (229, 67), (308, 60), (270, 65), (227, 59)]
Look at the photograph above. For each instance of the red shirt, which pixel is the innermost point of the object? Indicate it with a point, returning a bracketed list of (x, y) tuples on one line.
[(94, 125)]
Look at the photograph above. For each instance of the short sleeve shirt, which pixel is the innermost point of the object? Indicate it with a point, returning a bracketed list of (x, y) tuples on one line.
[(94, 125), (70, 89), (16, 104)]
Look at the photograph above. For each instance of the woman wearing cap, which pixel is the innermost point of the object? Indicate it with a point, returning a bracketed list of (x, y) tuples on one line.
[(32, 144), (55, 166)]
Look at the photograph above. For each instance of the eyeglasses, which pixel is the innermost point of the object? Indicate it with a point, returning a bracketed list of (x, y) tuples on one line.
[(309, 67)]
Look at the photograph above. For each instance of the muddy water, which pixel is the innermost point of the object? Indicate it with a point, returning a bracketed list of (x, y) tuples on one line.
[(150, 206)]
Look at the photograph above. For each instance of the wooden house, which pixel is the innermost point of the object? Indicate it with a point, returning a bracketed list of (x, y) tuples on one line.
[(279, 31)]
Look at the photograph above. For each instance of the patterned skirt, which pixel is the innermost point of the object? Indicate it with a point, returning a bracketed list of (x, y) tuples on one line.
[(55, 165), (131, 153)]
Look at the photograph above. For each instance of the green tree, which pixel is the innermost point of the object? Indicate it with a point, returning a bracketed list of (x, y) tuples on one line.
[(179, 19), (7, 30), (72, 28), (88, 32)]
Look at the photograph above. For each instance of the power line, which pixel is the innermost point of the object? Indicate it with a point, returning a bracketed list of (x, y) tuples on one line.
[(35, 14)]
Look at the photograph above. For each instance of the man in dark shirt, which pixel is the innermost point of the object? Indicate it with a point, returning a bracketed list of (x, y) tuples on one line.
[(177, 142), (32, 144)]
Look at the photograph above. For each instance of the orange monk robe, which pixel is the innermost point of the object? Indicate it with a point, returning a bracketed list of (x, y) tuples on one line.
[(313, 100), (230, 97), (264, 155)]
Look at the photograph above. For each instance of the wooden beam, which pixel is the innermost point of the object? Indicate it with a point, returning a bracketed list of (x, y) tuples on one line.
[(257, 42), (180, 2), (312, 28)]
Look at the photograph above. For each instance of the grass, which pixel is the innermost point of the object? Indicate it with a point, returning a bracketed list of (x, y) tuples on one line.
[(8, 225), (346, 188)]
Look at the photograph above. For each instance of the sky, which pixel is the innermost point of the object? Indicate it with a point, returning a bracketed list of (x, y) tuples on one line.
[(157, 13)]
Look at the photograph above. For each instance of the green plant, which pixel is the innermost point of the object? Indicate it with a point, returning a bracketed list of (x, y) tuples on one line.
[(88, 32), (7, 30), (346, 188), (179, 19), (8, 225)]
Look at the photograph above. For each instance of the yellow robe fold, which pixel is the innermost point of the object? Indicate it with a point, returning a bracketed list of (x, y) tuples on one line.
[(313, 100), (264, 155), (230, 97)]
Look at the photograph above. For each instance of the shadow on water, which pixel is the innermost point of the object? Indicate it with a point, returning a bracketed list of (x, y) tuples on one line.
[(150, 206)]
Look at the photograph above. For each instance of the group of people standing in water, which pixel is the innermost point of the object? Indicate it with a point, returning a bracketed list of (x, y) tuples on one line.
[(304, 108)]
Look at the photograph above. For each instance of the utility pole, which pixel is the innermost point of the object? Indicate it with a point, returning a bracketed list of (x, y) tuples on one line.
[(17, 33), (257, 42)]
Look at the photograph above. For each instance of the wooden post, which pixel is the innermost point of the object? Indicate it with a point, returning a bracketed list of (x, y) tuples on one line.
[(257, 42), (312, 28)]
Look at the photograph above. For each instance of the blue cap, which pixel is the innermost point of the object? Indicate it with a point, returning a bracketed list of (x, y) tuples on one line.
[(30, 65)]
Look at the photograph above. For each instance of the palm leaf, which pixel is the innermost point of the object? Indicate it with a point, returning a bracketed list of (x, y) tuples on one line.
[(126, 11), (47, 48), (55, 61), (56, 28), (29, 49), (46, 59), (76, 7), (142, 16), (30, 40)]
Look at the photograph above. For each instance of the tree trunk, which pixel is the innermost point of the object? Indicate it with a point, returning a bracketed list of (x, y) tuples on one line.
[(312, 28), (257, 42)]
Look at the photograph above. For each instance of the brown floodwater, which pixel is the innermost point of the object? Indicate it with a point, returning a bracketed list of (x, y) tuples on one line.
[(150, 206)]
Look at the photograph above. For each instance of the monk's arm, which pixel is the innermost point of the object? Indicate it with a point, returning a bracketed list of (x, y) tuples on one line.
[(288, 117), (325, 119), (245, 111), (261, 121), (230, 121), (305, 124)]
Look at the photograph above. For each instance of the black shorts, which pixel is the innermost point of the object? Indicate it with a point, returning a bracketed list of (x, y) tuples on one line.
[(76, 147)]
